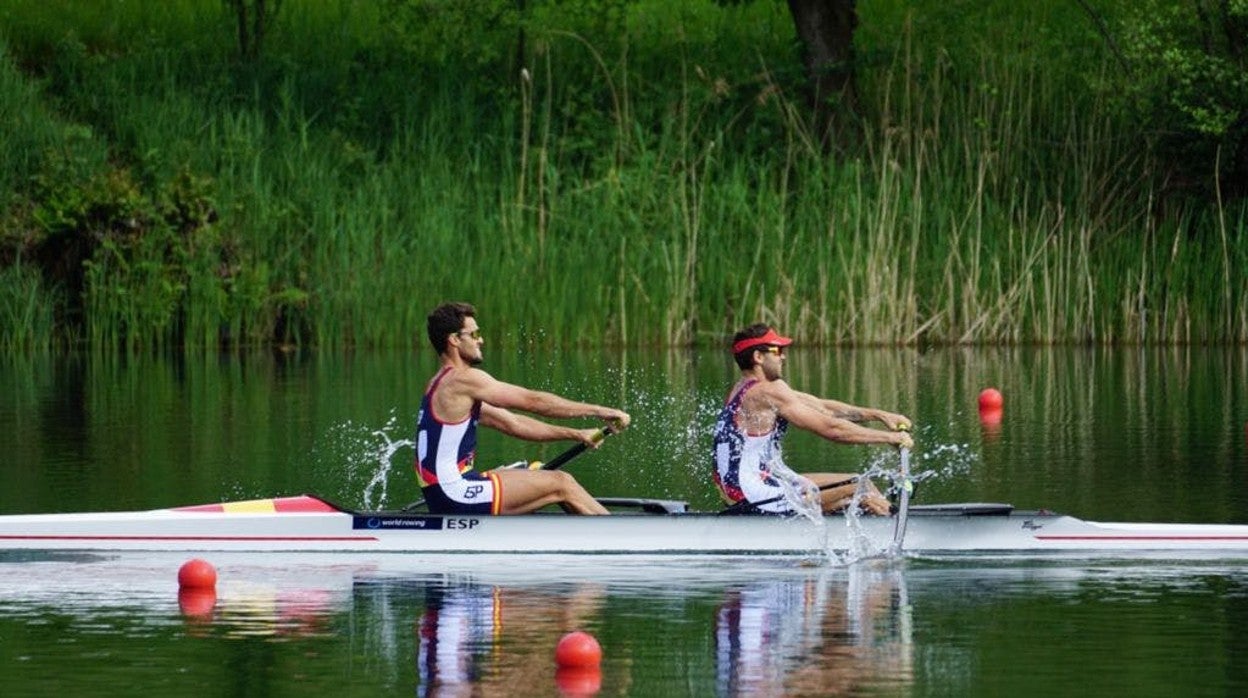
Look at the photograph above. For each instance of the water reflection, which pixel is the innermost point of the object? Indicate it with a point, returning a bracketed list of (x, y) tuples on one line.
[(815, 636), (488, 625), (128, 593), (489, 639)]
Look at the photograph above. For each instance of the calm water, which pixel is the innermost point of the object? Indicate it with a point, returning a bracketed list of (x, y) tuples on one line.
[(1157, 435)]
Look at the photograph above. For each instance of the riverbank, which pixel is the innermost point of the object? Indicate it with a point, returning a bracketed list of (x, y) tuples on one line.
[(648, 180)]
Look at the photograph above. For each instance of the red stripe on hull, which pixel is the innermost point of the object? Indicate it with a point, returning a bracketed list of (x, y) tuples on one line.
[(302, 539), (302, 504), (1180, 538)]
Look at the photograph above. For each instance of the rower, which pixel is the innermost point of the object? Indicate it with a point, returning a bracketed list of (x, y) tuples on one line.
[(461, 396), (749, 468)]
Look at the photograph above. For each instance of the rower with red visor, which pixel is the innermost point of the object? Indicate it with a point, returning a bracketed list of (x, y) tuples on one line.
[(749, 464)]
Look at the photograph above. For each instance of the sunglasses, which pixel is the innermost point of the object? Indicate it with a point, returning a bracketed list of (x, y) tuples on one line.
[(778, 351), (475, 334)]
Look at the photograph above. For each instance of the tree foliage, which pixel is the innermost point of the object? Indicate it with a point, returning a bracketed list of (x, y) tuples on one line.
[(1188, 78)]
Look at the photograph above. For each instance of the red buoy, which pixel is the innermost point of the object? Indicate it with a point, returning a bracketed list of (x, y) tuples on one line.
[(197, 574), (990, 399), (578, 649)]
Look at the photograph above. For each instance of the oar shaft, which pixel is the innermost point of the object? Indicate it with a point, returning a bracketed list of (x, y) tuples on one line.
[(903, 502)]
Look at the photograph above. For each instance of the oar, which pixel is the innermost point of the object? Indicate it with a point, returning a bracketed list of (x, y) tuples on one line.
[(553, 464), (903, 502), (746, 505), (560, 460)]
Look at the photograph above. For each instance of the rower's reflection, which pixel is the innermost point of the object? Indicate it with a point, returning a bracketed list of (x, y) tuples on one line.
[(458, 632), (479, 639), (815, 635)]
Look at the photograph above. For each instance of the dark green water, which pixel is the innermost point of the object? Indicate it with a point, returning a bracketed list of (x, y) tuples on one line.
[(1148, 435)]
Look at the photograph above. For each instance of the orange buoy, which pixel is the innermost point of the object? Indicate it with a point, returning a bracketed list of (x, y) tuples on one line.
[(578, 649), (197, 574), (990, 399), (578, 681)]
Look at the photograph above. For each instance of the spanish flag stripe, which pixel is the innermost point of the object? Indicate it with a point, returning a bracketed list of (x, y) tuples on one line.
[(254, 506)]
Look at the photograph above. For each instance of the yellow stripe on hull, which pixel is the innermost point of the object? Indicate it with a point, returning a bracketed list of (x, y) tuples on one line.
[(253, 506)]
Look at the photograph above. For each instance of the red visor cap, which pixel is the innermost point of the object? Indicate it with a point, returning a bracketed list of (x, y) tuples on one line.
[(771, 339)]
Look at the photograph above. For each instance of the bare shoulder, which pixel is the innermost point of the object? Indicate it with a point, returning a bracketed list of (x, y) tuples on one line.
[(768, 394), (779, 388), (466, 380)]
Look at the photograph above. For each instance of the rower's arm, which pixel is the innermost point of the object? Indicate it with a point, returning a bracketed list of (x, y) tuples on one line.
[(853, 413), (489, 390), (798, 409), (525, 427)]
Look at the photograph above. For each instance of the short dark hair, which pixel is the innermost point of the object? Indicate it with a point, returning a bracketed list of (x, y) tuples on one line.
[(745, 359), (446, 320)]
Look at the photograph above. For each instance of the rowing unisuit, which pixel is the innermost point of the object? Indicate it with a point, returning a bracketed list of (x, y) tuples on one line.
[(742, 459), (444, 456)]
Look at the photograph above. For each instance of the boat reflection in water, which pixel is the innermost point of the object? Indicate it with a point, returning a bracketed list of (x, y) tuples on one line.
[(815, 635)]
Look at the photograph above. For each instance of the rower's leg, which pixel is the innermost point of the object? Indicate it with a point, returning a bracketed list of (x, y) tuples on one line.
[(837, 498), (530, 490)]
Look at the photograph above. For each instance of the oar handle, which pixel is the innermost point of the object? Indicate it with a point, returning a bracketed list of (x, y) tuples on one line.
[(560, 460)]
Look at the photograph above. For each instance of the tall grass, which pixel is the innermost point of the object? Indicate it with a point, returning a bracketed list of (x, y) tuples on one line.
[(27, 310), (655, 184)]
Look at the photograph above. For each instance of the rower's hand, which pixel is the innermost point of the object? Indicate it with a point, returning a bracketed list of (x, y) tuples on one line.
[(875, 504), (590, 437), (902, 439), (895, 422), (618, 420)]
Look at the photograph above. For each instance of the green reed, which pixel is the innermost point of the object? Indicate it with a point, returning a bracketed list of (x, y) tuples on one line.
[(27, 310), (611, 198)]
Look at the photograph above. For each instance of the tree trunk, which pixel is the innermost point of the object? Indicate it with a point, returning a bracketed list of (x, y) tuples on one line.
[(826, 30), (252, 18)]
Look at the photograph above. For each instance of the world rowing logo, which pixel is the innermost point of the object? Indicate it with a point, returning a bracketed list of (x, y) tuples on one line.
[(409, 523)]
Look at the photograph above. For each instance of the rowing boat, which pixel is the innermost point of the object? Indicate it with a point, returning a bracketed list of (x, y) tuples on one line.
[(307, 523)]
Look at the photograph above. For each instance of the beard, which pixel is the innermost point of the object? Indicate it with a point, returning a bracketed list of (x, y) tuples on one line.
[(475, 360)]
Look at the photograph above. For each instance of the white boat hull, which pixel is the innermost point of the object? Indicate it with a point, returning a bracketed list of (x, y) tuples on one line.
[(306, 524)]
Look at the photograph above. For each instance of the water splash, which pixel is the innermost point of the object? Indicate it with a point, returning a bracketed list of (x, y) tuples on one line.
[(367, 454), (947, 460), (862, 546), (382, 456), (801, 494)]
